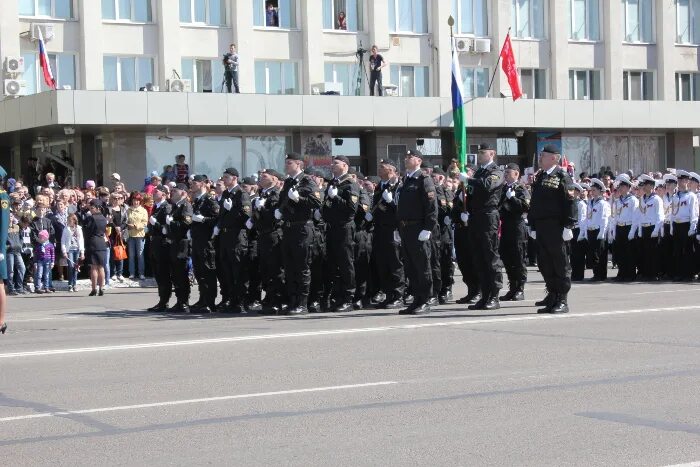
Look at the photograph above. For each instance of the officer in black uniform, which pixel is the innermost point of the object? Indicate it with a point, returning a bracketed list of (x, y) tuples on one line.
[(177, 227), (205, 215), (318, 295), (484, 190), (463, 249), (299, 198), (446, 243), (234, 211), (251, 274), (339, 208), (551, 217), (362, 248), (386, 251), (269, 231), (160, 249), (515, 202), (417, 218)]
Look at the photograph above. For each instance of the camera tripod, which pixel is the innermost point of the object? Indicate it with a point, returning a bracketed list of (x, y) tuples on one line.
[(360, 54)]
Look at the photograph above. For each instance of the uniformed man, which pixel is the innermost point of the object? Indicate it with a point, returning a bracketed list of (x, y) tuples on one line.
[(205, 215), (515, 203), (4, 228), (667, 265), (177, 227), (551, 217), (579, 243), (321, 284), (463, 249), (625, 209), (385, 249), (484, 190), (160, 248), (299, 199), (598, 218), (341, 199), (417, 218), (362, 245), (651, 225), (251, 275), (693, 185), (684, 218), (445, 244), (234, 211)]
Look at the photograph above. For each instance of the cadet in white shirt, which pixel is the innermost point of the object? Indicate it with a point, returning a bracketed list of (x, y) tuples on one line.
[(650, 228), (624, 210), (684, 217), (579, 245), (597, 218), (667, 266)]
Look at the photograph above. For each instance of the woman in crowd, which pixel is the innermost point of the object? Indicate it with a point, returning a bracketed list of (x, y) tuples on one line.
[(118, 215), (73, 248), (136, 220), (95, 232)]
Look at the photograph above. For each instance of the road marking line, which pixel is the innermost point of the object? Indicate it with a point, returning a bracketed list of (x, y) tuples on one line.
[(195, 401), (50, 318), (689, 464)]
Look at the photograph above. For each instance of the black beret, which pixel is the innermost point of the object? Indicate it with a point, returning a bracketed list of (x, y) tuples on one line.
[(199, 178), (374, 179), (352, 171), (295, 156), (550, 148), (439, 171), (424, 165), (388, 162), (314, 172), (248, 181), (181, 186), (96, 203), (342, 159), (513, 166), (273, 172), (161, 188), (359, 175), (485, 147), (231, 171), (415, 153)]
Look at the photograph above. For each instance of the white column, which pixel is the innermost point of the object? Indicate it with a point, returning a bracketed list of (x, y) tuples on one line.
[(378, 26), (91, 40), (169, 57), (442, 58), (312, 42), (559, 49), (242, 23), (9, 31), (612, 35), (665, 50)]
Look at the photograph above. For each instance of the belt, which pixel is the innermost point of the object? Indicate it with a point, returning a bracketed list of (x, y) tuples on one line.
[(648, 224), (293, 223), (681, 222), (623, 224), (592, 229), (667, 222), (407, 223)]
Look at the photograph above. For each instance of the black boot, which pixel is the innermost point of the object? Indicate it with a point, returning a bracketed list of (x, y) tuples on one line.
[(561, 305), (549, 301), (508, 296)]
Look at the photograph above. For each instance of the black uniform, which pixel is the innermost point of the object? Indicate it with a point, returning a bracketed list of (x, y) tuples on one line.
[(160, 254), (180, 249), (253, 282), (484, 191), (553, 209), (321, 282), (362, 252), (297, 238), (203, 250), (339, 214), (436, 243), (269, 248), (513, 245), (463, 249), (447, 267), (417, 211), (385, 250), (233, 246)]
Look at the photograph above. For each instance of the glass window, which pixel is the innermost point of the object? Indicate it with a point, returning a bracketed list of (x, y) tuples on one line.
[(214, 154), (160, 153), (61, 9), (637, 20), (345, 74), (413, 81), (408, 16), (210, 12), (27, 8), (144, 72), (109, 9), (528, 18), (127, 73), (475, 81), (688, 86), (638, 85), (349, 147), (584, 20), (124, 9), (30, 74), (127, 10), (534, 83), (64, 9), (62, 67), (265, 152), (275, 13), (344, 15), (110, 73), (585, 85), (142, 11), (44, 7), (185, 11), (276, 77), (688, 21), (471, 17)]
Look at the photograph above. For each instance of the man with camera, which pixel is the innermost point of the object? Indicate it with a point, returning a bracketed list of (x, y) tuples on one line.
[(231, 69), (376, 63)]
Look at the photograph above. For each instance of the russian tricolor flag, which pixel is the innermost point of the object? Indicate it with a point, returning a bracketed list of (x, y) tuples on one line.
[(44, 61)]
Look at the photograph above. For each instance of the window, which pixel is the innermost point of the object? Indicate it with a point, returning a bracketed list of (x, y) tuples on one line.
[(351, 9), (411, 80), (475, 81), (528, 18), (585, 85), (138, 11), (207, 75), (161, 153), (62, 66), (127, 73), (61, 9), (688, 86), (584, 20), (471, 17), (210, 12), (273, 77), (266, 152), (638, 85), (637, 20), (408, 16), (345, 74), (534, 83), (214, 154), (275, 13), (688, 21)]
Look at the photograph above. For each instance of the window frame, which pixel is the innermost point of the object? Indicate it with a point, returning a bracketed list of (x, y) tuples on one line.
[(587, 28), (207, 14), (692, 33), (353, 83), (589, 80), (39, 84), (533, 95), (282, 76), (458, 18), (627, 84), (214, 78), (395, 29), (473, 70), (531, 15), (119, 58), (53, 16), (292, 27), (694, 76), (415, 67), (625, 35), (131, 19), (360, 18)]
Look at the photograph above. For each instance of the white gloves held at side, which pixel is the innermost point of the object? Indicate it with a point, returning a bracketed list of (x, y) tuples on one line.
[(278, 214), (293, 194), (228, 204), (369, 217), (168, 219), (260, 203), (387, 196), (533, 235), (332, 192), (424, 235), (510, 193), (197, 218), (567, 235), (152, 220), (464, 217), (249, 224)]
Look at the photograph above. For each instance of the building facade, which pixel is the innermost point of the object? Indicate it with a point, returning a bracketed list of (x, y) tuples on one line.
[(614, 82)]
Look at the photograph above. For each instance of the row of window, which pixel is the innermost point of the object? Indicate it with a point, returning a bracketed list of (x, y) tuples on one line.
[(282, 77), (528, 17)]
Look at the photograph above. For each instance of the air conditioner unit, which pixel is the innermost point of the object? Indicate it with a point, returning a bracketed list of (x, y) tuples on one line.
[(14, 87), (481, 46), (179, 85), (14, 65), (463, 45), (47, 31)]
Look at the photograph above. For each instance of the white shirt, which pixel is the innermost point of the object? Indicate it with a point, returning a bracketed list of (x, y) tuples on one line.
[(684, 208), (582, 211), (625, 209), (410, 175), (651, 212), (598, 214), (667, 207)]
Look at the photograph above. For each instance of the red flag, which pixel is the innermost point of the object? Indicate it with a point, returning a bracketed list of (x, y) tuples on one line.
[(564, 163), (510, 69)]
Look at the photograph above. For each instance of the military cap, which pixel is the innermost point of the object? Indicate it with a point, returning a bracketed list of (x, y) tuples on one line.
[(682, 174), (513, 166), (694, 176), (388, 162), (181, 186), (645, 179), (359, 175), (96, 203), (161, 188), (374, 179), (670, 178), (596, 183), (199, 178), (551, 149), (486, 147), (414, 153), (623, 178), (352, 170), (439, 171), (273, 172), (342, 159), (585, 186), (294, 156), (424, 165), (577, 186), (248, 181), (232, 172)]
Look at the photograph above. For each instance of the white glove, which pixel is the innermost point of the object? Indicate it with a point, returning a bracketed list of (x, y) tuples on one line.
[(317, 214), (216, 231), (387, 196), (332, 192), (228, 204), (2, 257), (168, 219), (424, 235), (697, 237), (249, 224), (278, 214), (369, 217), (189, 235), (260, 203), (447, 221), (197, 218), (567, 235), (464, 217), (533, 235), (165, 231), (692, 230), (601, 235), (152, 220), (293, 195), (397, 237), (463, 177), (510, 193), (631, 235)]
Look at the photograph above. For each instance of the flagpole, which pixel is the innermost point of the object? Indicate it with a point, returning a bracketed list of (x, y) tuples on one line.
[(493, 75)]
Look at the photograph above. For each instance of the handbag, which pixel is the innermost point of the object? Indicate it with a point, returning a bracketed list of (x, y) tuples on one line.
[(119, 250)]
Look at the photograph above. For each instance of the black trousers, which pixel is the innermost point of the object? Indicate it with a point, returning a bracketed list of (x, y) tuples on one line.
[(553, 256), (204, 264), (598, 253), (651, 254), (296, 243), (362, 253), (375, 78), (232, 259), (160, 263), (667, 265), (483, 237), (253, 281), (271, 272), (318, 265), (447, 266), (231, 77), (578, 256), (683, 251), (179, 255), (626, 260), (416, 256), (513, 249), (387, 257), (340, 240), (465, 261), (435, 269)]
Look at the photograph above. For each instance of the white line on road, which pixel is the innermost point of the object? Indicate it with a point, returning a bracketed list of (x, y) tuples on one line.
[(50, 318), (327, 332), (195, 401), (689, 464)]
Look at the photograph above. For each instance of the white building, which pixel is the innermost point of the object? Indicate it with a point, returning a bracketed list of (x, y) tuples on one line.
[(614, 80)]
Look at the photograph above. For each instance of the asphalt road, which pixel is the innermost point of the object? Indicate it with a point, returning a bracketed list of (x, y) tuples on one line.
[(97, 381)]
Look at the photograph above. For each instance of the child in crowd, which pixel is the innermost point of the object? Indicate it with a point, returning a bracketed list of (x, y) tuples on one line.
[(44, 258)]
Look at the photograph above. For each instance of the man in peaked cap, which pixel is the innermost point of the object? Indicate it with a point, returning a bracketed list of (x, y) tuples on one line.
[(515, 201), (651, 224), (624, 230), (684, 219), (160, 248), (205, 215), (177, 226)]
